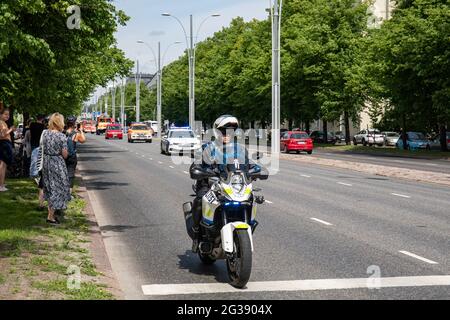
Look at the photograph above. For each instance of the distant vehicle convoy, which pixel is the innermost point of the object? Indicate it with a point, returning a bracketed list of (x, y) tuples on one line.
[(295, 140)]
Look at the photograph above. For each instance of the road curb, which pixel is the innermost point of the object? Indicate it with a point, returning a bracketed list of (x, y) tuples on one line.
[(97, 246)]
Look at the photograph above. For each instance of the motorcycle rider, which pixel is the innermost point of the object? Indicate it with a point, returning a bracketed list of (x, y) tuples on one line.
[(215, 155)]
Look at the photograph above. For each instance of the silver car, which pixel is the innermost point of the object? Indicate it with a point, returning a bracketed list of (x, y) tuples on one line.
[(369, 137), (390, 138)]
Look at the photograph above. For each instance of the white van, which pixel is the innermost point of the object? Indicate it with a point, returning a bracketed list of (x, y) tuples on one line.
[(152, 124)]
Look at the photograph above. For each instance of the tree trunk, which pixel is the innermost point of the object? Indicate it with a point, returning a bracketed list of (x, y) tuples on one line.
[(325, 131), (403, 132), (307, 127), (347, 128), (443, 137), (290, 124)]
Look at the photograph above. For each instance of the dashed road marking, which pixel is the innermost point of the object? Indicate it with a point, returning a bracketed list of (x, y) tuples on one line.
[(400, 195), (269, 202), (171, 167), (418, 257), (160, 162), (345, 184), (186, 172), (305, 176), (322, 221)]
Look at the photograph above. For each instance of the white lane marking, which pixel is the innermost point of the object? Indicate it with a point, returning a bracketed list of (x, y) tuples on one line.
[(186, 172), (305, 176), (171, 167), (400, 195), (160, 162), (269, 202), (418, 257), (294, 285), (143, 156), (321, 221), (345, 184)]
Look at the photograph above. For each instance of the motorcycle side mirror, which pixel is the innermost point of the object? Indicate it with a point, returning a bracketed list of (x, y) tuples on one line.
[(199, 173)]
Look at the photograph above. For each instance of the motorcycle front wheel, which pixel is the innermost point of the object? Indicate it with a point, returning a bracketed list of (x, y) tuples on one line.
[(239, 266)]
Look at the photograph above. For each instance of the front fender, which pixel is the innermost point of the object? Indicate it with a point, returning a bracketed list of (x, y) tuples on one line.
[(227, 235)]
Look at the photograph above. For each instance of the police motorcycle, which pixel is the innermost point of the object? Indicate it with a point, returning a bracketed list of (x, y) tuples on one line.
[(228, 217)]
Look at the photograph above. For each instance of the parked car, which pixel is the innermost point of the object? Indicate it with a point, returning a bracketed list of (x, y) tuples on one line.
[(340, 136), (296, 141), (390, 138), (114, 131), (435, 141), (318, 137), (369, 137), (414, 140)]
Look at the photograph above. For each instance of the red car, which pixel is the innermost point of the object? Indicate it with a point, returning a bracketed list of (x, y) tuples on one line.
[(296, 141), (114, 131)]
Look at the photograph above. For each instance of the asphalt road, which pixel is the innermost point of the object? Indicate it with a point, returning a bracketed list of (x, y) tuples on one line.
[(318, 223)]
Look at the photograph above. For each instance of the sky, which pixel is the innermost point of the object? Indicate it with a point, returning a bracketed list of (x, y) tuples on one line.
[(149, 25)]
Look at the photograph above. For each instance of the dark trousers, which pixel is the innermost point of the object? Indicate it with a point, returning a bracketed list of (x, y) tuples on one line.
[(202, 188)]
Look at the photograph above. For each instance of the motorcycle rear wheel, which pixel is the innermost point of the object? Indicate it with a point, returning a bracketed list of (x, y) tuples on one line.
[(240, 265)]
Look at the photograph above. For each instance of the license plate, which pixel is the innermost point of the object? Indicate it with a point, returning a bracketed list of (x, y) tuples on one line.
[(301, 142), (210, 196)]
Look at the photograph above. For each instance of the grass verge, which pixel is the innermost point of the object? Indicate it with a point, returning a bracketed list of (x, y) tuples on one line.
[(39, 261)]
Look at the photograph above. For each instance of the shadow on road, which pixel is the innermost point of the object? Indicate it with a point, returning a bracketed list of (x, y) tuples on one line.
[(99, 151), (117, 228), (191, 262), (96, 172), (103, 185)]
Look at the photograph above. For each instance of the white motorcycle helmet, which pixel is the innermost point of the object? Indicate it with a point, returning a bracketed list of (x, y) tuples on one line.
[(224, 123)]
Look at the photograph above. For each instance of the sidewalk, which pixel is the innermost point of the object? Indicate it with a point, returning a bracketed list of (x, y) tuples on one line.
[(40, 261)]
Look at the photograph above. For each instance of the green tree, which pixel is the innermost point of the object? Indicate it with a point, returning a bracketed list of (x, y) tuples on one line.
[(47, 67), (410, 57)]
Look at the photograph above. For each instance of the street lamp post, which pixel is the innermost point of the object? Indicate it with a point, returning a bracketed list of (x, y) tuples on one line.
[(276, 10), (138, 93), (106, 101), (113, 104), (122, 104), (158, 80), (191, 57)]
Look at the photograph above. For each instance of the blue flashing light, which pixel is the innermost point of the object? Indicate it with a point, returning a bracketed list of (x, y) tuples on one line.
[(234, 203)]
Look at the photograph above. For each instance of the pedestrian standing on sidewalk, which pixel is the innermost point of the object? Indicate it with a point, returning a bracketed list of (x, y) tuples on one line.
[(6, 148), (74, 136), (54, 170), (36, 129), (26, 143)]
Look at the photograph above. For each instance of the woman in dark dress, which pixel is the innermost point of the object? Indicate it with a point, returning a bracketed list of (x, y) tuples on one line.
[(6, 148), (54, 170)]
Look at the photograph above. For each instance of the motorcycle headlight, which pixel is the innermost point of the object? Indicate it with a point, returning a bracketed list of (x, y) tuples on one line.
[(237, 183)]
